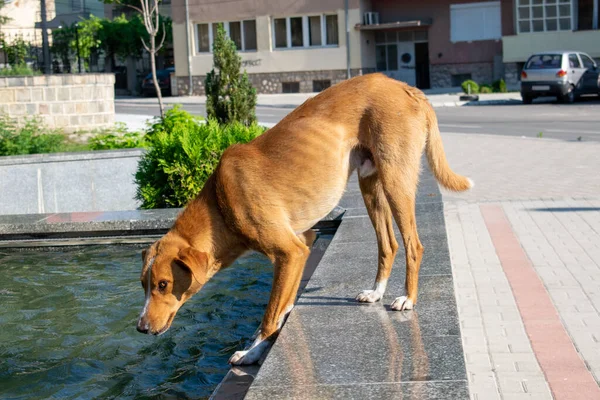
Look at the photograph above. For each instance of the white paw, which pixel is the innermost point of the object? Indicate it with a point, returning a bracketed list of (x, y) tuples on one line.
[(244, 357), (369, 296), (402, 303), (252, 355)]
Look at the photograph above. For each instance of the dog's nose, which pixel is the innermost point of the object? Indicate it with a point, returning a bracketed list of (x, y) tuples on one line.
[(142, 328)]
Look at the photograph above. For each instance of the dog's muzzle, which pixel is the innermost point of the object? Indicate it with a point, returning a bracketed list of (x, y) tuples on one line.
[(142, 326)]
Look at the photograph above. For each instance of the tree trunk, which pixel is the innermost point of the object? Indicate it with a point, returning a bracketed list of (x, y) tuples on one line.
[(153, 65)]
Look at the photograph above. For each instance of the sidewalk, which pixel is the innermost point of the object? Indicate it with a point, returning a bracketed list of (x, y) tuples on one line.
[(293, 100), (525, 253)]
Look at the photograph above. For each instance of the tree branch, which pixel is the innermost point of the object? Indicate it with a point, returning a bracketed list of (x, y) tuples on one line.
[(146, 46), (162, 41)]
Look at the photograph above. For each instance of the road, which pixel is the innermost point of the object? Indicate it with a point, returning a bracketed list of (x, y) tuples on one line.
[(579, 121)]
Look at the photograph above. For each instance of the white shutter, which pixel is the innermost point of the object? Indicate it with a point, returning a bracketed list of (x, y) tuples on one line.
[(475, 21)]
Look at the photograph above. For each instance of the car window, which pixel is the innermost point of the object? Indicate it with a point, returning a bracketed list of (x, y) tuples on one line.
[(574, 61), (587, 62), (545, 61)]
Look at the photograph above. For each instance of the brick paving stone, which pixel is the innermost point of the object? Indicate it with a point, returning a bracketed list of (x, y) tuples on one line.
[(491, 327), (550, 193)]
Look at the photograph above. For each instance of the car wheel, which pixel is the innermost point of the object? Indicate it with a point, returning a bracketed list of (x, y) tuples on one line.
[(569, 97), (527, 99)]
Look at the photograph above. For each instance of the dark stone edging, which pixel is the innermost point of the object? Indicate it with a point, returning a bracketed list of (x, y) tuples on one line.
[(74, 156)]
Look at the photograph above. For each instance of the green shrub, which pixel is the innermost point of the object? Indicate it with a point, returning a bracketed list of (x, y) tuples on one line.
[(183, 153), (474, 86), (117, 138), (485, 88), (18, 70), (499, 86), (229, 95), (30, 138)]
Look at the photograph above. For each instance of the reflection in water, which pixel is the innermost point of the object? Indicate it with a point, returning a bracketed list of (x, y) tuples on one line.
[(68, 327)]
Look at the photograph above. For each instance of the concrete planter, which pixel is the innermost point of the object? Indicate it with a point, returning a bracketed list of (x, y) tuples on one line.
[(69, 182), (70, 102)]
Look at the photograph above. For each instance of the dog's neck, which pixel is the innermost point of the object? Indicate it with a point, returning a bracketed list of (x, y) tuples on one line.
[(203, 227)]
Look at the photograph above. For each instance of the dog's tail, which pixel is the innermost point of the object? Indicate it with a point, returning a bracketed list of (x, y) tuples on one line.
[(437, 158)]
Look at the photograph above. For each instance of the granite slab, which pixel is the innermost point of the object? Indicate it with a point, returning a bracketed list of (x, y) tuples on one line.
[(334, 347)]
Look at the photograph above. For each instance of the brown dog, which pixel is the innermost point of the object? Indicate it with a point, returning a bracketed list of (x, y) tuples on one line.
[(267, 194)]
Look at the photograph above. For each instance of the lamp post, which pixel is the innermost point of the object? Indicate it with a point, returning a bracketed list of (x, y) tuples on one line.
[(77, 41)]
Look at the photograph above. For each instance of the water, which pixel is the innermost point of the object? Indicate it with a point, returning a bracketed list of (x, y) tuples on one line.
[(68, 320)]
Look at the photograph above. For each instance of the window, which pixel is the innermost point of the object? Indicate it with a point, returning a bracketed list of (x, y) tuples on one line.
[(243, 34), (543, 15), (574, 61), (307, 31), (475, 21), (319, 86), (290, 87), (588, 16), (587, 62), (331, 27), (203, 39), (249, 29), (235, 33), (552, 61), (314, 33), (280, 32), (296, 30)]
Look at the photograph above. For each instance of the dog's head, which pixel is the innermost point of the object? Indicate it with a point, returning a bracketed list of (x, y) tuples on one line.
[(172, 272)]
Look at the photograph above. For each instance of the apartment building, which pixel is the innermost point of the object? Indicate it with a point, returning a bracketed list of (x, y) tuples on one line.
[(308, 45)]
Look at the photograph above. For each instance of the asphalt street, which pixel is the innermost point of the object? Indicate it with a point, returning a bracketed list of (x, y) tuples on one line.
[(549, 119)]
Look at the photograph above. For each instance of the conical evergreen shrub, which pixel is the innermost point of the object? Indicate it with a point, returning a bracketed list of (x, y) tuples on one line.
[(229, 95)]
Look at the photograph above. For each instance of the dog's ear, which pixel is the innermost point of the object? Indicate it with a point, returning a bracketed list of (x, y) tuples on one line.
[(195, 261)]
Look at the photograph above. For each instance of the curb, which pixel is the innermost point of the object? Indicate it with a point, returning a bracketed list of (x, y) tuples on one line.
[(292, 106), (476, 103), (139, 103)]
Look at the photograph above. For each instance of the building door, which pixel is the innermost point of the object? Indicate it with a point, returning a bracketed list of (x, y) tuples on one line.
[(422, 65), (406, 63), (396, 56)]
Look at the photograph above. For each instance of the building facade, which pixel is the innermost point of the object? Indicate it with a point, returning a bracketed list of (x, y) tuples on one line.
[(308, 45)]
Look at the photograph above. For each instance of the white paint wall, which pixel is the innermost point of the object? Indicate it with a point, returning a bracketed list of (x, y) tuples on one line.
[(518, 48), (268, 60)]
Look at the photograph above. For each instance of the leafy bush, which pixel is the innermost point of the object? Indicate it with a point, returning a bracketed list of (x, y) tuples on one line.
[(31, 138), (229, 96), (16, 52), (485, 88), (18, 70), (117, 138), (474, 87), (183, 153), (499, 86)]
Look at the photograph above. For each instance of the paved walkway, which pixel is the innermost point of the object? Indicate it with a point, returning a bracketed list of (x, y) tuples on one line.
[(525, 252)]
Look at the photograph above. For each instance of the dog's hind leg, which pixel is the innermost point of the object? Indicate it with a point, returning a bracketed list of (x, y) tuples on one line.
[(381, 217), (400, 176), (289, 254)]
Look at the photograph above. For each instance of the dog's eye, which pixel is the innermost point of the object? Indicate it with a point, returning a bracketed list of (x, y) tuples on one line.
[(162, 285)]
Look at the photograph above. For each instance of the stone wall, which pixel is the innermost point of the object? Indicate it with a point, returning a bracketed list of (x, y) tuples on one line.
[(272, 82), (512, 73), (72, 102), (441, 74), (69, 182)]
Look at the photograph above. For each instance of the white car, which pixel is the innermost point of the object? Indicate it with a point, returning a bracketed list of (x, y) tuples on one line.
[(564, 74)]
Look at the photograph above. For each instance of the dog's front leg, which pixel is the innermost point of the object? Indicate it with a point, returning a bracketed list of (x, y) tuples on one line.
[(289, 264)]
